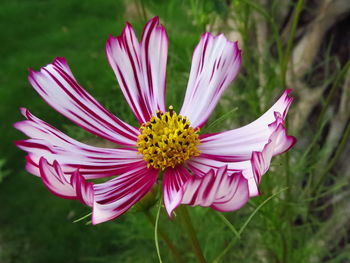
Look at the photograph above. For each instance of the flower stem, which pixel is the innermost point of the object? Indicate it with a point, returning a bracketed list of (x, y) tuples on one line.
[(165, 237), (187, 222), (156, 232)]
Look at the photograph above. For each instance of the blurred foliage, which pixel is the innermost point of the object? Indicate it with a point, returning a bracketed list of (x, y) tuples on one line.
[(36, 226), (3, 171)]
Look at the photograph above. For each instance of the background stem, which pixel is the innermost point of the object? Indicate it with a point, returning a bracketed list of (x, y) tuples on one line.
[(187, 222), (165, 237)]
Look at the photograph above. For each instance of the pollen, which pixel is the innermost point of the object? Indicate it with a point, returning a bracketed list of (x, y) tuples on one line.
[(167, 140)]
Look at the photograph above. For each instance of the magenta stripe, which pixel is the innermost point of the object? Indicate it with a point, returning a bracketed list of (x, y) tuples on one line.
[(92, 114), (78, 89)]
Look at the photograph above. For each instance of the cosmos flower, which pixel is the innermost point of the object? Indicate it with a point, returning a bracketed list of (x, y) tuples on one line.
[(219, 170)]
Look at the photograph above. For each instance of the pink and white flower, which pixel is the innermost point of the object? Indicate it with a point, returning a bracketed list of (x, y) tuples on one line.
[(220, 170)]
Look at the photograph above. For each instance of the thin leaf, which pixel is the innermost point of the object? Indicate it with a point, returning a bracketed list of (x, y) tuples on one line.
[(223, 117), (82, 218), (223, 253), (226, 222), (258, 208)]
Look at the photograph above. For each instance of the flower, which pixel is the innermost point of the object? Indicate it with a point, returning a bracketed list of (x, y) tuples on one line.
[(219, 170)]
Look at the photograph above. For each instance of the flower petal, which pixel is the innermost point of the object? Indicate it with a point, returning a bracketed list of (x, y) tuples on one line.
[(141, 67), (258, 164), (279, 141), (239, 144), (173, 180), (57, 86), (92, 162), (202, 165), (217, 189), (117, 195), (215, 63), (65, 186)]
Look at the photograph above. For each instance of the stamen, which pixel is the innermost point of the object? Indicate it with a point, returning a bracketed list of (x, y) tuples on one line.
[(171, 110), (167, 140)]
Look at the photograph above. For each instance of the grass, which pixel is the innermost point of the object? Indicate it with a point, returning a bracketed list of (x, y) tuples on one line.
[(36, 226)]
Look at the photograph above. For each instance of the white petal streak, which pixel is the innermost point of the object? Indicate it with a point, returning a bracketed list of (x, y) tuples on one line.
[(141, 67), (57, 86), (215, 63), (63, 185), (239, 144), (173, 180), (217, 189), (92, 162), (117, 195)]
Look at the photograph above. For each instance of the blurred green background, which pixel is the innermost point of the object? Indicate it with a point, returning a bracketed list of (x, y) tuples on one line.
[(290, 44)]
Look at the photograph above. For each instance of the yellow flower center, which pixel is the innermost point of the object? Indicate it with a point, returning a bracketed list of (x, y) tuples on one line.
[(167, 140)]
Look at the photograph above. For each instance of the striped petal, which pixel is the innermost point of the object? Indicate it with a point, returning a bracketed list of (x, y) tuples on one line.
[(217, 189), (278, 142), (66, 186), (57, 86), (239, 144), (92, 162), (258, 163), (202, 165), (141, 67), (215, 63), (173, 181), (117, 195)]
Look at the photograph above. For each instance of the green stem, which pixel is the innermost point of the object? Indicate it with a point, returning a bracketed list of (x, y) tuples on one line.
[(284, 64), (156, 241), (171, 246), (224, 252), (287, 172), (187, 222), (143, 10), (284, 68), (273, 24)]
